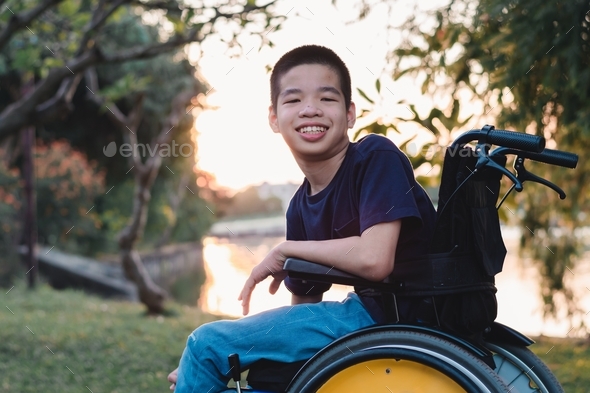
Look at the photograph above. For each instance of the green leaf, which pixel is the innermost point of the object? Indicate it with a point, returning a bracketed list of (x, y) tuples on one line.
[(364, 95), (357, 134), (189, 15), (378, 85), (377, 128), (27, 59)]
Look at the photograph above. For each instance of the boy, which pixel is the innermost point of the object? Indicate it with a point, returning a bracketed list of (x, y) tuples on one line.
[(359, 209)]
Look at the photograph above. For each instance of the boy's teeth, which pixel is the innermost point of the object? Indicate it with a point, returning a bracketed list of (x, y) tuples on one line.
[(312, 130)]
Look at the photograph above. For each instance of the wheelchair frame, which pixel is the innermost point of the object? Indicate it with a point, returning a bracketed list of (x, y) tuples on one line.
[(507, 363)]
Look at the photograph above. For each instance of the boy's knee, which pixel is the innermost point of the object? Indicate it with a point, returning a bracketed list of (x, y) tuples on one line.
[(204, 337)]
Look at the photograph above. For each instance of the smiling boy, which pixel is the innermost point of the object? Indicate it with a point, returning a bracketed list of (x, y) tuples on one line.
[(359, 209)]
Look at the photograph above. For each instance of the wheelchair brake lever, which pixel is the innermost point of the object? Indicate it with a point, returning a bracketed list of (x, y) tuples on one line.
[(524, 175), (235, 370), (484, 160)]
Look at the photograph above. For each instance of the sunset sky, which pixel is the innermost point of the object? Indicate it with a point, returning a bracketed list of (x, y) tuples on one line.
[(235, 142)]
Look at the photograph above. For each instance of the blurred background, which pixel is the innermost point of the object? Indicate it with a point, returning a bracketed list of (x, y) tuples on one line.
[(140, 181)]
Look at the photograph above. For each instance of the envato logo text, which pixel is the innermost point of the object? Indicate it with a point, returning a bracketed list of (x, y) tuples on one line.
[(142, 150), (431, 150)]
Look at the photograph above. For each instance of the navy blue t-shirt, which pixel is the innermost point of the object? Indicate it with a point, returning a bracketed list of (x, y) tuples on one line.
[(375, 183)]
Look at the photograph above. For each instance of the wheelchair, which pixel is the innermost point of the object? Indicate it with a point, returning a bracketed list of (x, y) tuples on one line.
[(466, 253)]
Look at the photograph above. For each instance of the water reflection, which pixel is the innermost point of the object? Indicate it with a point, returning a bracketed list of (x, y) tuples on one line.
[(228, 263)]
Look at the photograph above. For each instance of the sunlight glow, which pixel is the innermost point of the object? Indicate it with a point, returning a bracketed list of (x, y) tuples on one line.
[(235, 141)]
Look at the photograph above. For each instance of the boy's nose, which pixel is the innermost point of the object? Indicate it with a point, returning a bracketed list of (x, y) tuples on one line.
[(310, 110)]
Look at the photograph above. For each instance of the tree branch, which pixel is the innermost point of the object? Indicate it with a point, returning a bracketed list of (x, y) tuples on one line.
[(98, 19), (151, 50), (127, 123), (247, 9), (145, 178), (60, 104), (20, 21), (24, 111), (114, 114)]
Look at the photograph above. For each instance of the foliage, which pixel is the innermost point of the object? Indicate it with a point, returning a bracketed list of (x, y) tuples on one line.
[(50, 51), (526, 63), (47, 45), (67, 186), (88, 129)]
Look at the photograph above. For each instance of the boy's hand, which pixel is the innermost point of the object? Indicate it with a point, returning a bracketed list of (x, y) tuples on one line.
[(271, 265), (172, 378)]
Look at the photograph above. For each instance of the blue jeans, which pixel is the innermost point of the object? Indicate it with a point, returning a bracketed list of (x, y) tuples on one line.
[(286, 334)]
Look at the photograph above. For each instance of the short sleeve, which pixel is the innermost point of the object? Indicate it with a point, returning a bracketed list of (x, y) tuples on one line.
[(296, 231), (386, 190)]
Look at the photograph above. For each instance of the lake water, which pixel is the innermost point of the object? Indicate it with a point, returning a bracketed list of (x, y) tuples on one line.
[(228, 262)]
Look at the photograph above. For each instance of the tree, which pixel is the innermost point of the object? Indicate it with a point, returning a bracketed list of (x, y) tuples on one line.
[(10, 204), (80, 34), (528, 63), (58, 71)]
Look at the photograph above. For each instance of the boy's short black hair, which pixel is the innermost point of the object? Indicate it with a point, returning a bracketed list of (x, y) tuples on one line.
[(310, 54)]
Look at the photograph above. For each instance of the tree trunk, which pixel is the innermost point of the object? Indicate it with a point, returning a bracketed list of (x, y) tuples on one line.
[(145, 174), (29, 230), (149, 293)]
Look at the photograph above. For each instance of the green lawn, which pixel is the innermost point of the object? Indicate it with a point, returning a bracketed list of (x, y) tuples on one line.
[(569, 359), (82, 343)]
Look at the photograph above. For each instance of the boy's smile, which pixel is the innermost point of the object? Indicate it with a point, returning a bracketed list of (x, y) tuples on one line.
[(310, 113)]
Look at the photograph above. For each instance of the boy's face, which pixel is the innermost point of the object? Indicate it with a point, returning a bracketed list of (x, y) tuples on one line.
[(310, 113)]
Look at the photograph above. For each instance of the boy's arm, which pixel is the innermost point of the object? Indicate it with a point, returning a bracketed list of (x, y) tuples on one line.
[(370, 256)]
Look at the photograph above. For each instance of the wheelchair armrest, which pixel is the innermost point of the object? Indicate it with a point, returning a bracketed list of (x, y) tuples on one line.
[(306, 270)]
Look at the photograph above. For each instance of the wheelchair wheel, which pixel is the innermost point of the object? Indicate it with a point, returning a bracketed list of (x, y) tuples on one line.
[(396, 361), (522, 370)]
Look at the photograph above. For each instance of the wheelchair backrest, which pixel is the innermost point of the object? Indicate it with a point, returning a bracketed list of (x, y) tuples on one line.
[(467, 219), (466, 249)]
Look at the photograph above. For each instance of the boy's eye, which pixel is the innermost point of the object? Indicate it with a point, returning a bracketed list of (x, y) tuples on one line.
[(292, 100), (328, 99)]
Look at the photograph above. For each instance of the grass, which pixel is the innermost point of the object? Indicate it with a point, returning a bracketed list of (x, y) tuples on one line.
[(569, 359), (82, 343)]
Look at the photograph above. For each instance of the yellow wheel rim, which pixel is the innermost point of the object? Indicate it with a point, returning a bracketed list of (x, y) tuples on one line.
[(390, 375)]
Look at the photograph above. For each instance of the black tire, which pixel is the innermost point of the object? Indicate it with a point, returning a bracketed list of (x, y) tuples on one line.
[(522, 370), (467, 370)]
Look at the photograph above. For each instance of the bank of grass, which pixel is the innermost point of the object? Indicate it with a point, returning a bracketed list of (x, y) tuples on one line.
[(81, 343), (569, 359), (68, 341)]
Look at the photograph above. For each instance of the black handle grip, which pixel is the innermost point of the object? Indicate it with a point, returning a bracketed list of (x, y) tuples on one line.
[(555, 157), (235, 368), (509, 139), (516, 140)]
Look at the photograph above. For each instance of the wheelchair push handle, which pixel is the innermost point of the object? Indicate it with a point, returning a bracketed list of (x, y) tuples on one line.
[(516, 140), (511, 139), (554, 157), (548, 156)]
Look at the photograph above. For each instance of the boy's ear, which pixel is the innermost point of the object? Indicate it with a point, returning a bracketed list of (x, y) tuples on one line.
[(351, 115), (273, 120)]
